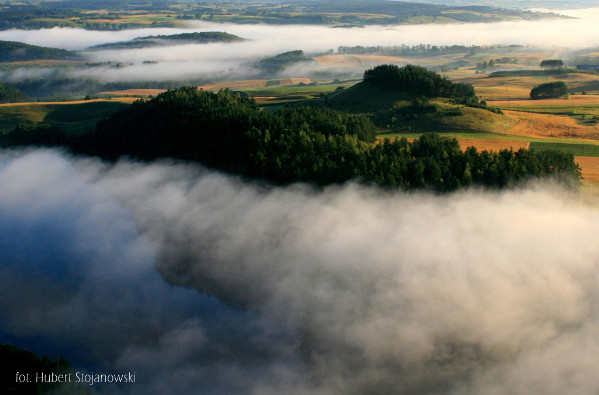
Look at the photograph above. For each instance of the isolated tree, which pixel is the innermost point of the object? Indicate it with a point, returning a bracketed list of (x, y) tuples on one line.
[(552, 64)]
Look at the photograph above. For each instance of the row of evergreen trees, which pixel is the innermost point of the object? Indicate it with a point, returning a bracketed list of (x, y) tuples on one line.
[(227, 131)]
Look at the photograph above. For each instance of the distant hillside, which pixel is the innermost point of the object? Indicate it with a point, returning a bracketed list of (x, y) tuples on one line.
[(13, 51), (417, 12), (117, 14), (275, 64), (522, 4), (9, 94), (183, 38)]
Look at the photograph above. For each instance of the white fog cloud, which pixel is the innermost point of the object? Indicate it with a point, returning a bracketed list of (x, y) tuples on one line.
[(343, 290)]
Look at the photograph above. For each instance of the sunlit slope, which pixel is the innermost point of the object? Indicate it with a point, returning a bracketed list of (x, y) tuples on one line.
[(73, 117), (516, 85), (388, 110)]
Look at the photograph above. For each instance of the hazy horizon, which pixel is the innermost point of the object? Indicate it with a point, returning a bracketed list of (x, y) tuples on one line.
[(198, 60)]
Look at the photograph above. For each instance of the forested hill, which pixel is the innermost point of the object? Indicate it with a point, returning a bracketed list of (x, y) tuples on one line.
[(182, 38), (227, 131), (416, 80), (12, 51), (398, 99)]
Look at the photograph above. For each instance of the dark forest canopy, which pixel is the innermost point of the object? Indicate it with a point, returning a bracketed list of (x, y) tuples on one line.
[(552, 63), (416, 80), (227, 131)]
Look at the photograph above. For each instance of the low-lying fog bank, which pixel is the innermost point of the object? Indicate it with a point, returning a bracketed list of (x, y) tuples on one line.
[(180, 62), (292, 290)]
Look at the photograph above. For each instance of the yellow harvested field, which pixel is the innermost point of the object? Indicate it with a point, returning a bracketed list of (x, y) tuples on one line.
[(518, 87), (492, 144), (574, 100), (589, 166), (546, 125), (497, 95), (248, 84)]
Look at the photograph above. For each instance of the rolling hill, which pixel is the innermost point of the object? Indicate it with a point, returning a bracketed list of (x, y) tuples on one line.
[(396, 110)]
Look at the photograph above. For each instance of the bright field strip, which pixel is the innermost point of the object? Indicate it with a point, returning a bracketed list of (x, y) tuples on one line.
[(591, 150), (573, 106), (496, 142)]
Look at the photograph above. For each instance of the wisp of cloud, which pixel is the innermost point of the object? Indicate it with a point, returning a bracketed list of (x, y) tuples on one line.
[(349, 289)]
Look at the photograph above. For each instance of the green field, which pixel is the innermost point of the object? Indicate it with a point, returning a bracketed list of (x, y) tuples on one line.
[(457, 134), (575, 149), (278, 96), (573, 109), (497, 136)]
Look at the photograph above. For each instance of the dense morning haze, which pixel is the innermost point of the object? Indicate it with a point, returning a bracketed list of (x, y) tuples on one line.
[(202, 282), (343, 290)]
